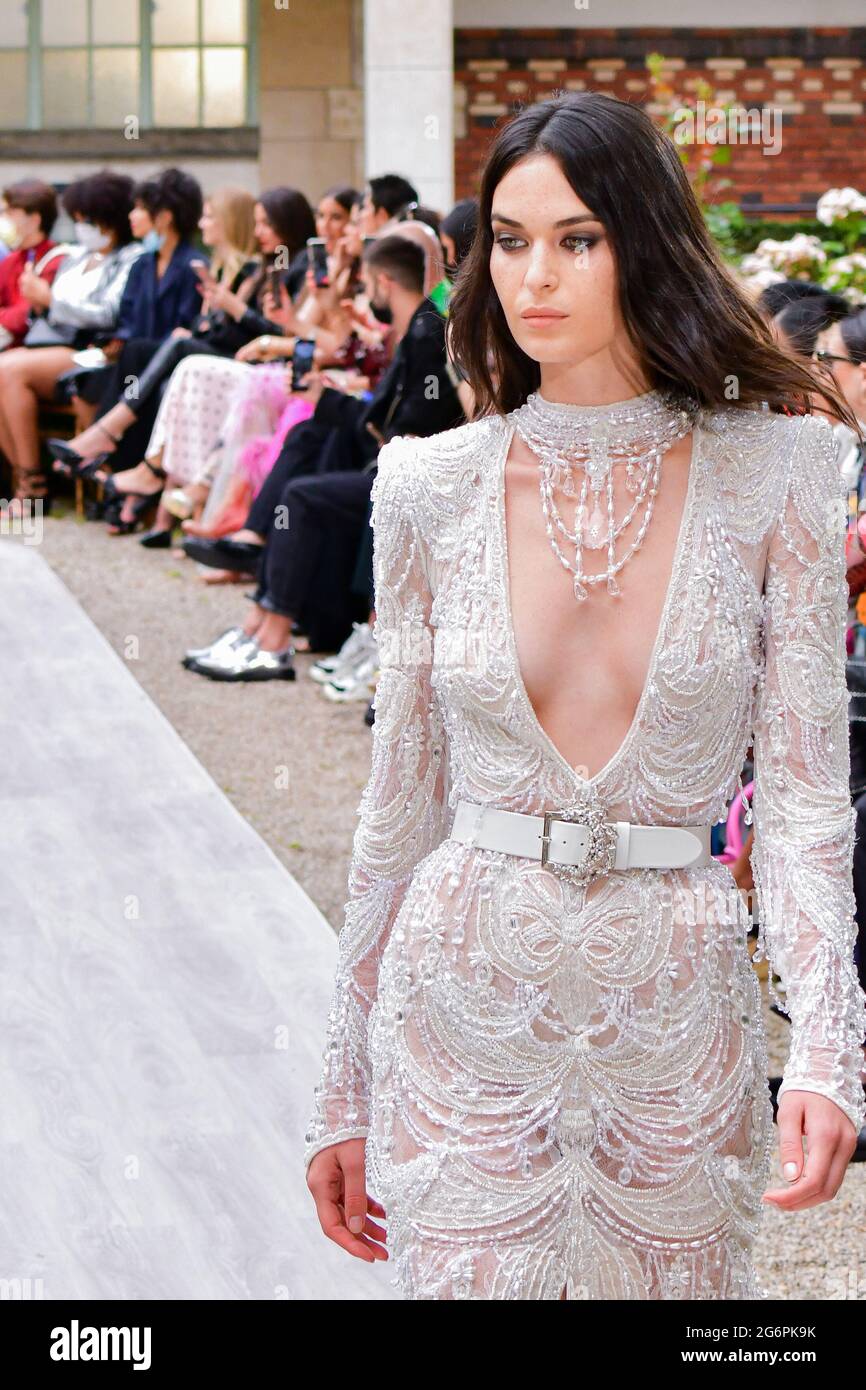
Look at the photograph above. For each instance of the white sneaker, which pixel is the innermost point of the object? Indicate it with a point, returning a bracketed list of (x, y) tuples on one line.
[(357, 683), (222, 658), (226, 639), (358, 641)]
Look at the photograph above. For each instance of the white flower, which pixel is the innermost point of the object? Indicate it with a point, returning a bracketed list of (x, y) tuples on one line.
[(847, 265), (759, 279), (837, 203), (800, 248)]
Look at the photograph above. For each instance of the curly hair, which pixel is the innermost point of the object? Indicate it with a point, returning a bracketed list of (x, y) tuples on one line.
[(177, 192), (106, 199)]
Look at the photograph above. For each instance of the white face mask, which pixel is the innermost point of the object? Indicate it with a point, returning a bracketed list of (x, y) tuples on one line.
[(90, 237), (9, 233)]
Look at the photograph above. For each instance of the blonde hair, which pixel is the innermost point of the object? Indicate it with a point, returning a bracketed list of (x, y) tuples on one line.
[(234, 208)]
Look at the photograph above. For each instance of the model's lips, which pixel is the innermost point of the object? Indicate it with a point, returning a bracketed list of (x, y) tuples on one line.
[(543, 315)]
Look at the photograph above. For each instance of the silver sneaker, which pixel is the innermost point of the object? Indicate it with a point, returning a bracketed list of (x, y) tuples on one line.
[(250, 663), (228, 639), (356, 684), (223, 656), (356, 643)]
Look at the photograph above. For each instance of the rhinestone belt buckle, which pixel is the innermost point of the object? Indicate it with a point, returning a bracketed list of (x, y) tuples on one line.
[(600, 852)]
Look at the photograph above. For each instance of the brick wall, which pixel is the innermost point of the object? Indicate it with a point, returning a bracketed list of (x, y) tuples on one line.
[(815, 77)]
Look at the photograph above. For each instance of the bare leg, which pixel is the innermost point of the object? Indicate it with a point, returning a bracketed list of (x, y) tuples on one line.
[(95, 439), (28, 375), (84, 412), (254, 620), (275, 632), (139, 478)]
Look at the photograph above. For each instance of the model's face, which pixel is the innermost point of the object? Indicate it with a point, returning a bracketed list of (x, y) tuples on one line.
[(850, 377), (551, 253), (331, 219)]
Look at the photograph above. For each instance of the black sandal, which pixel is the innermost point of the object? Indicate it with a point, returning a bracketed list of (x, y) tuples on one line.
[(69, 462), (114, 491), (142, 505)]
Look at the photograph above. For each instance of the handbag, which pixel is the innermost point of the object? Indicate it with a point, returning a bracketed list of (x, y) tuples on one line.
[(41, 333)]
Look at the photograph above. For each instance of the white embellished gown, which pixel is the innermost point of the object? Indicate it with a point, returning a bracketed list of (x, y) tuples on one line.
[(565, 1087)]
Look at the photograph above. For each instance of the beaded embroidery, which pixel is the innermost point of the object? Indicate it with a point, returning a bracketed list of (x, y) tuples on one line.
[(565, 1084)]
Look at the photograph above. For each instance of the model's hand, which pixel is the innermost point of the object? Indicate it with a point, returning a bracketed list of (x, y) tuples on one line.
[(831, 1140), (337, 1179)]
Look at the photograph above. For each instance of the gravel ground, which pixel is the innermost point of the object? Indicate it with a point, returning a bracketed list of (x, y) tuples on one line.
[(295, 766)]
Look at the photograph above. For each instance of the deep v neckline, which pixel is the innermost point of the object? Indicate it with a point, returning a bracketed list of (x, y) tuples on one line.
[(672, 590)]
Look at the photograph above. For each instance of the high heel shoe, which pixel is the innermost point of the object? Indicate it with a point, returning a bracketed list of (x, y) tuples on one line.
[(69, 462), (118, 526), (111, 483)]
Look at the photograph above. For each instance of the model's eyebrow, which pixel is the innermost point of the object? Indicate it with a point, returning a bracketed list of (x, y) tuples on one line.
[(563, 222)]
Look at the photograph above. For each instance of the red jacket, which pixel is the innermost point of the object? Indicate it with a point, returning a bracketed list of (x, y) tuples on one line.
[(14, 308)]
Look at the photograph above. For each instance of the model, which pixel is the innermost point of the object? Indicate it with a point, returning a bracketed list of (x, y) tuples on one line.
[(545, 1074)]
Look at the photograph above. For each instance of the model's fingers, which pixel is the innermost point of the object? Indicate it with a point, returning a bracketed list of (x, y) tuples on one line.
[(331, 1220), (809, 1188), (355, 1190)]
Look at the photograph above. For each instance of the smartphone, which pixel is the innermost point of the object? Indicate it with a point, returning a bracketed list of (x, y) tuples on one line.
[(274, 280), (302, 361), (318, 258)]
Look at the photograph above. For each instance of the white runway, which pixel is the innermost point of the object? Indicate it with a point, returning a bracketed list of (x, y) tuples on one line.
[(161, 1016)]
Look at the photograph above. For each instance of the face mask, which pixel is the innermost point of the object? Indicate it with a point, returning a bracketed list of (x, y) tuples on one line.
[(90, 237), (9, 233), (153, 240)]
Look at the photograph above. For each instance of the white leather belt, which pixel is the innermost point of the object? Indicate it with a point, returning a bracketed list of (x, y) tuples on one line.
[(580, 845)]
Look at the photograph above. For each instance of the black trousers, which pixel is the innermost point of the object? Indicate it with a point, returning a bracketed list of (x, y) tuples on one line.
[(302, 454), (331, 506), (308, 568)]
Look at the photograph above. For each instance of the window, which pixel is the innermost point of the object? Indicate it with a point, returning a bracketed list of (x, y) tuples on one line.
[(97, 64)]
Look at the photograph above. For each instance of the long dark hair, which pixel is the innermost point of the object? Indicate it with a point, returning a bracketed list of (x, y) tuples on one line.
[(853, 330), (692, 325), (290, 215)]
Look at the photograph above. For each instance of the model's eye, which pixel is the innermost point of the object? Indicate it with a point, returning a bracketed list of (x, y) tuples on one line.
[(503, 237), (586, 241)]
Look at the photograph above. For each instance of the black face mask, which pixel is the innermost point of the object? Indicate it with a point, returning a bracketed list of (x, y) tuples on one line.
[(382, 313)]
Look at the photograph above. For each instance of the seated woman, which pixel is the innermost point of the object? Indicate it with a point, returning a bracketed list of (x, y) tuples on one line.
[(283, 221), (83, 301), (30, 210), (163, 296), (364, 354), (206, 408)]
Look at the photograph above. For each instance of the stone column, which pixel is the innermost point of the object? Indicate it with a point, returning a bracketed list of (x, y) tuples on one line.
[(409, 94)]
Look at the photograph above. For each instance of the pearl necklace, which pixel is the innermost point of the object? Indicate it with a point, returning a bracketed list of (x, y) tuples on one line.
[(563, 437)]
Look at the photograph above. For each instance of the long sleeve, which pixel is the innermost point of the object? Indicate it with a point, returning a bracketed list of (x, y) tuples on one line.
[(99, 309), (803, 850), (128, 314), (404, 807)]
